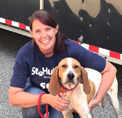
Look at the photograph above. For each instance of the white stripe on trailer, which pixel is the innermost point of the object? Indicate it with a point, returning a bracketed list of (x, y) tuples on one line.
[(104, 51), (2, 20)]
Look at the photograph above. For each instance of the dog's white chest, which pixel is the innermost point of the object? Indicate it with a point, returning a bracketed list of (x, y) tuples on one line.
[(78, 101), (76, 97)]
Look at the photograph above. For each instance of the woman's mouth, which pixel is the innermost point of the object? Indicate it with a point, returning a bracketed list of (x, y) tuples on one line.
[(45, 41)]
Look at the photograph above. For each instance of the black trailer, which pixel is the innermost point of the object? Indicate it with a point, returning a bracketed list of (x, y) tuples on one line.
[(97, 24)]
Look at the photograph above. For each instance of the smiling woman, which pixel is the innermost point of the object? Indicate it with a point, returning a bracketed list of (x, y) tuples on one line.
[(36, 61), (44, 37), (44, 29)]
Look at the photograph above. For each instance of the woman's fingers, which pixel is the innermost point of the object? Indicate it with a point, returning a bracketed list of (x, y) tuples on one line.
[(58, 102), (61, 104)]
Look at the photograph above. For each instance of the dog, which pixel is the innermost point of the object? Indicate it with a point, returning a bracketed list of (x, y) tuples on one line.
[(80, 86)]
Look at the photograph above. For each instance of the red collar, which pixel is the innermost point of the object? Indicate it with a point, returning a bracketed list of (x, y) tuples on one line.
[(69, 89)]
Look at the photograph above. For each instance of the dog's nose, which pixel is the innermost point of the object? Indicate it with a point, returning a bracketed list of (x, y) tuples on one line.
[(70, 75)]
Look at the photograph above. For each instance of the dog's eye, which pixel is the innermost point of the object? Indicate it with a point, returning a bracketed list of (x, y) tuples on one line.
[(64, 66), (76, 66)]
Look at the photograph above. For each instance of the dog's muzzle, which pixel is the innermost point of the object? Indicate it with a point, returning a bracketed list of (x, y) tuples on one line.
[(70, 76)]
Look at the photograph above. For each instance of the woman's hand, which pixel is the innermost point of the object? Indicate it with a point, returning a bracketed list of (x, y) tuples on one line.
[(58, 103), (93, 103)]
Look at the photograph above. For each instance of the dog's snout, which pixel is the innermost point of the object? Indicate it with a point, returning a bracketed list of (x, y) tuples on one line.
[(70, 75)]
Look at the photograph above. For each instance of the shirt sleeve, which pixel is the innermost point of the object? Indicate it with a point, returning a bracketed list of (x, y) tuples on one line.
[(85, 57), (20, 71), (92, 60)]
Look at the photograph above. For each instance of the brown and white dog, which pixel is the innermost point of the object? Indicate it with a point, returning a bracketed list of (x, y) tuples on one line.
[(80, 86)]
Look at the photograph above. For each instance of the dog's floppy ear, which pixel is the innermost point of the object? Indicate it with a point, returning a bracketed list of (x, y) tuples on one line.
[(84, 80), (54, 84)]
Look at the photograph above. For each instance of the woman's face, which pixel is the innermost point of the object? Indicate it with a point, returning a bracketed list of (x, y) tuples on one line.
[(44, 36)]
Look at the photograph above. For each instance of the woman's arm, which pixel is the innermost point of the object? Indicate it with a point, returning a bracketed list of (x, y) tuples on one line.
[(18, 97), (108, 77)]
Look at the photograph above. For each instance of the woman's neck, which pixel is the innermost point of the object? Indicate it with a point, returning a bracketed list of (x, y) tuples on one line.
[(47, 53)]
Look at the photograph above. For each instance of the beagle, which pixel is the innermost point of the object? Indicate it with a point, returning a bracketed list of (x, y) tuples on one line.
[(80, 86)]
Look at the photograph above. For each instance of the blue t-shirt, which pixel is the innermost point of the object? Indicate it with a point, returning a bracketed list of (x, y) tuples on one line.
[(31, 63)]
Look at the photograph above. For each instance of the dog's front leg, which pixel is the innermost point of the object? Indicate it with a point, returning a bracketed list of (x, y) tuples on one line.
[(79, 103), (67, 113), (82, 109), (84, 113)]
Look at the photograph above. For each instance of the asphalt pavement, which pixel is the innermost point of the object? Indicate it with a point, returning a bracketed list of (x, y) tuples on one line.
[(10, 43)]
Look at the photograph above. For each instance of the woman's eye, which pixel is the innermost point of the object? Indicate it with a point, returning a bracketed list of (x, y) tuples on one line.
[(48, 29), (64, 66), (37, 31), (76, 66)]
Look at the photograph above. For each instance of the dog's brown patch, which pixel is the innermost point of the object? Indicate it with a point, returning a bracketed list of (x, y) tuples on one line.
[(110, 89), (92, 92)]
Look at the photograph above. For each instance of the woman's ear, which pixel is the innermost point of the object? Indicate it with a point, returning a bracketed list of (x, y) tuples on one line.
[(31, 33), (57, 27)]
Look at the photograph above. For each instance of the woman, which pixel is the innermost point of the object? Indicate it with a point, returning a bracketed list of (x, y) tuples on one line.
[(36, 61)]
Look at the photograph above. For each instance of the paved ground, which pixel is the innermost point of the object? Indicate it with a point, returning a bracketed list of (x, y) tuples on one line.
[(9, 46)]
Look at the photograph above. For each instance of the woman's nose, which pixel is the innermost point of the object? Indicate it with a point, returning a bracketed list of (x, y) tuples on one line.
[(43, 34)]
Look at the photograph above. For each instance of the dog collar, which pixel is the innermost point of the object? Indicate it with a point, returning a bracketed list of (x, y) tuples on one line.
[(69, 89)]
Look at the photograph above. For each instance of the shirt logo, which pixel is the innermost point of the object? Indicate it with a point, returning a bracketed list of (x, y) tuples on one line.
[(45, 71)]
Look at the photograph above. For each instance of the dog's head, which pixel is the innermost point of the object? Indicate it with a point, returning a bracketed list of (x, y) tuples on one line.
[(68, 73)]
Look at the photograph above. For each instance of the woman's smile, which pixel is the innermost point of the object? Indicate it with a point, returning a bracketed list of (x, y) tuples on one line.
[(45, 41)]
